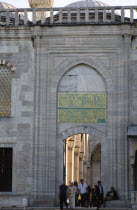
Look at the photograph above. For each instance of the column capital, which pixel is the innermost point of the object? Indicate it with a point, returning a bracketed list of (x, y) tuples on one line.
[(81, 155), (76, 150), (70, 144)]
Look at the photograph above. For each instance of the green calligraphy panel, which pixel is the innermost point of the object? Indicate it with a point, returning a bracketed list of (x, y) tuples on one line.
[(81, 107)]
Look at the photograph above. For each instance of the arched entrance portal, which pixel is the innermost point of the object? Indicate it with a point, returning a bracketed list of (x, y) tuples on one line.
[(96, 138), (82, 109), (81, 160)]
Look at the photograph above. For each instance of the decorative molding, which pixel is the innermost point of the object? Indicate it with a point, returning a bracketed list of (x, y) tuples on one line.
[(81, 129)]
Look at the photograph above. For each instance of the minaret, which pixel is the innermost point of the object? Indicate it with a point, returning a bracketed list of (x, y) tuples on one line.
[(41, 4)]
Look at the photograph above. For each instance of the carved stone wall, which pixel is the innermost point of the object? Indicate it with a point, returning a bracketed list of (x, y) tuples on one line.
[(42, 55)]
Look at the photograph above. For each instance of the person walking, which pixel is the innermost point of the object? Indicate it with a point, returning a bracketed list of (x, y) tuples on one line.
[(95, 197), (76, 193), (88, 195), (83, 192), (100, 194), (63, 195), (71, 194)]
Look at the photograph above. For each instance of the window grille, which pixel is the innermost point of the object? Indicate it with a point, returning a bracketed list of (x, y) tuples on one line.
[(5, 91), (6, 169)]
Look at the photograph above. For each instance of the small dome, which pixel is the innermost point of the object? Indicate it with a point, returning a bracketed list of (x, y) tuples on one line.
[(87, 3), (4, 5)]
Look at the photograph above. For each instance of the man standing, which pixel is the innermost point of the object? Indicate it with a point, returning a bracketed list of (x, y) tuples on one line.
[(83, 192), (100, 194), (63, 195)]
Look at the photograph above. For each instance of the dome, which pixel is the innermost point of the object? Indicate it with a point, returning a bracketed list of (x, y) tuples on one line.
[(4, 5), (87, 3), (41, 3), (82, 5)]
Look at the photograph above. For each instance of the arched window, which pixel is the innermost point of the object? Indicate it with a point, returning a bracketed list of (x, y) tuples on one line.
[(6, 72)]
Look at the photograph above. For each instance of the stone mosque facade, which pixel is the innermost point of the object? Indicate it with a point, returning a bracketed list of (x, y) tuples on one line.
[(68, 100)]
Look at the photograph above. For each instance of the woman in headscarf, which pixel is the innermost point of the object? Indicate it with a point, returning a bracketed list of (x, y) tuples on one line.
[(71, 193)]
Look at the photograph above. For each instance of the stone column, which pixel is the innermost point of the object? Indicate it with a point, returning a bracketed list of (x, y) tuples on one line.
[(76, 164), (132, 160), (81, 165), (89, 173), (67, 155), (83, 144), (70, 161), (132, 177), (133, 192), (85, 170), (72, 179)]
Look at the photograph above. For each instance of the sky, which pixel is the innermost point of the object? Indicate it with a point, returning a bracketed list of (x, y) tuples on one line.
[(62, 3)]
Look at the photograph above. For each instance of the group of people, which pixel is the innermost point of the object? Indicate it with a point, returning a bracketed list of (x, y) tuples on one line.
[(83, 195)]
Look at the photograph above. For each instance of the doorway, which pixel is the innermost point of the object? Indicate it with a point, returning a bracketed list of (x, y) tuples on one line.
[(82, 159)]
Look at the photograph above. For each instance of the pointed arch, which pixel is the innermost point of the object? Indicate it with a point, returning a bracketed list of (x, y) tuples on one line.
[(94, 63)]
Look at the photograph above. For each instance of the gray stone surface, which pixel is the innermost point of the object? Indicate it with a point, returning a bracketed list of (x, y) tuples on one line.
[(132, 130)]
